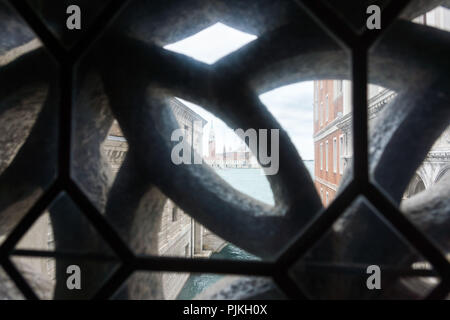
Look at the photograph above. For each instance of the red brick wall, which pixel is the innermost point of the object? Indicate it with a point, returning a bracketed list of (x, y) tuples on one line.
[(335, 105)]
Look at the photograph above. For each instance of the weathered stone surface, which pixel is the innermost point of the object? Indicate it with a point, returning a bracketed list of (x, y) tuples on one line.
[(40, 283), (129, 77)]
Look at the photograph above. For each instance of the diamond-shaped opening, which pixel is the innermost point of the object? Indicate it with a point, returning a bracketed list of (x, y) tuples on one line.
[(212, 43), (8, 289), (59, 15), (363, 257), (196, 286), (63, 228), (28, 119)]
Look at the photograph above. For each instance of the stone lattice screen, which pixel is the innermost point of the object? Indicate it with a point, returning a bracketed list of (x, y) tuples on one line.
[(59, 98)]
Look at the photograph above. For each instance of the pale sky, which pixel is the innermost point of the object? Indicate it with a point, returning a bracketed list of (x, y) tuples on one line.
[(291, 105)]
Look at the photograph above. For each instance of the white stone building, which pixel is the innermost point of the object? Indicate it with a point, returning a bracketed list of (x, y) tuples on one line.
[(180, 235), (241, 158)]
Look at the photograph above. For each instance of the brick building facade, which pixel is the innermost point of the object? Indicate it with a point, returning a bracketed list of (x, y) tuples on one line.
[(331, 102), (332, 128)]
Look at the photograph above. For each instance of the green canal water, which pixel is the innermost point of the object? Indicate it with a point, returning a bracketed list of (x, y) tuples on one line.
[(253, 183), (196, 283)]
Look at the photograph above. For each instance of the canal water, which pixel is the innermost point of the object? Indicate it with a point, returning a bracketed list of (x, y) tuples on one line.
[(255, 184)]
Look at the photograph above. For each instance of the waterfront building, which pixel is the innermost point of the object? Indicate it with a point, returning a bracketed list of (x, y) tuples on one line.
[(332, 129), (240, 158)]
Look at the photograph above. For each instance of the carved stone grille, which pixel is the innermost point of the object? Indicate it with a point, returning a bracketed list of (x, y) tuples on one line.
[(117, 69)]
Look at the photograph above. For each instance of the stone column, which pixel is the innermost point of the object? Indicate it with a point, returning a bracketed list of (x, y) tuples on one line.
[(198, 238)]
